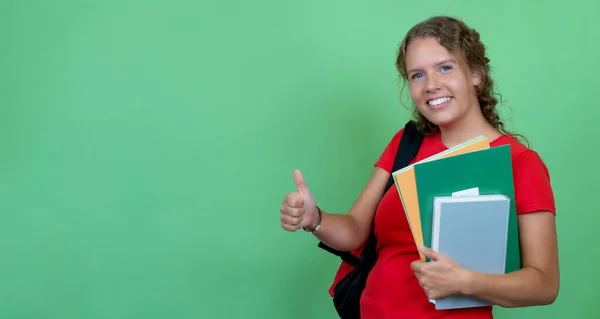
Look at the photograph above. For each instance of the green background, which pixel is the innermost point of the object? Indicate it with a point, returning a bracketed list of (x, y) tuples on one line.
[(146, 145)]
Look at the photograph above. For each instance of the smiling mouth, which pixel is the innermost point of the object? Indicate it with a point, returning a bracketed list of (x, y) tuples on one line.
[(439, 102)]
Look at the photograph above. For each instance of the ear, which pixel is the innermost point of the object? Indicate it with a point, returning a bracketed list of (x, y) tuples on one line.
[(476, 77)]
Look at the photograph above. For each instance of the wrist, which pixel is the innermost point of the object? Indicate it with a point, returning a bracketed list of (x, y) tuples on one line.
[(466, 280), (317, 224)]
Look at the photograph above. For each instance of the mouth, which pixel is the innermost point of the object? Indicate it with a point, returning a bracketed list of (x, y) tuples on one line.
[(439, 102)]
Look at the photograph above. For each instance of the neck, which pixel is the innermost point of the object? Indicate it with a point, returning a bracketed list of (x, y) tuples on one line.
[(467, 129)]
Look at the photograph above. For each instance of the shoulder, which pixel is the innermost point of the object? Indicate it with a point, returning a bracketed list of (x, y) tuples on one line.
[(522, 156), (398, 134), (533, 189), (429, 145), (386, 158)]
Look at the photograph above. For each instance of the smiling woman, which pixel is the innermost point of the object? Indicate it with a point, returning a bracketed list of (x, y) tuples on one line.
[(445, 65), (437, 80)]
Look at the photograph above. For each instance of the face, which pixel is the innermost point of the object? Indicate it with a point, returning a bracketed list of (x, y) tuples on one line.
[(441, 86)]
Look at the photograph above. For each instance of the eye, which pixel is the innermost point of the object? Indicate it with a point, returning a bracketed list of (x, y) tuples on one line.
[(446, 68), (417, 75)]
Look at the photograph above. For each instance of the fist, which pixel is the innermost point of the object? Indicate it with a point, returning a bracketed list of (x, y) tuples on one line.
[(298, 209)]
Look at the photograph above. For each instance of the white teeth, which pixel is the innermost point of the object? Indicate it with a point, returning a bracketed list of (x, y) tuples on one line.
[(439, 101)]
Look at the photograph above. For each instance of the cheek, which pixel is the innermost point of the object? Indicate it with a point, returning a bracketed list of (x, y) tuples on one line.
[(424, 110), (415, 93), (457, 85)]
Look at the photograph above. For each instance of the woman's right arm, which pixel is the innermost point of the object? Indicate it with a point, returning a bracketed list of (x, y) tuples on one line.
[(343, 232)]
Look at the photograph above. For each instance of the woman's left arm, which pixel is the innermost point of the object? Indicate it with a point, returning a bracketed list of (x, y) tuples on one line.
[(537, 283)]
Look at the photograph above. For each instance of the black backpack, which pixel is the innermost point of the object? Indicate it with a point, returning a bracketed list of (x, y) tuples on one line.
[(348, 290)]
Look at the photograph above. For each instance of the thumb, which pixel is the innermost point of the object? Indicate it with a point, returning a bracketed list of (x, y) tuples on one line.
[(300, 183), (430, 253)]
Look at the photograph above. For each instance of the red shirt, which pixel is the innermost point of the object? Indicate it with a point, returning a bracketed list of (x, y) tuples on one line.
[(392, 290)]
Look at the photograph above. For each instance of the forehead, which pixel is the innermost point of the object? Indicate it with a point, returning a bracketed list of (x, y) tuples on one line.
[(426, 52)]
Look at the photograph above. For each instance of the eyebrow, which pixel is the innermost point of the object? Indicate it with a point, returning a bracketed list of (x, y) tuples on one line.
[(437, 64)]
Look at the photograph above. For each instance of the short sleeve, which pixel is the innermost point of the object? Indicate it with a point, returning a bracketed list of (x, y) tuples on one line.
[(386, 160), (533, 190)]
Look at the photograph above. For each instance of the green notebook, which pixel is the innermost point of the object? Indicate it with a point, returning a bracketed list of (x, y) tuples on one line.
[(489, 170)]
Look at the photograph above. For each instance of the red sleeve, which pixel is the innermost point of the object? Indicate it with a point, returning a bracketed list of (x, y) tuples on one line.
[(533, 191), (386, 160)]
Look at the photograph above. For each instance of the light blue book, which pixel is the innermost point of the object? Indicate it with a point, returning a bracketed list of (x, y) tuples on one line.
[(473, 231)]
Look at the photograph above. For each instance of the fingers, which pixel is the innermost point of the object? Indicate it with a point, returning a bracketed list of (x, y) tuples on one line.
[(300, 183), (291, 212), (290, 223), (293, 200), (417, 266), (430, 253), (289, 228), (292, 209)]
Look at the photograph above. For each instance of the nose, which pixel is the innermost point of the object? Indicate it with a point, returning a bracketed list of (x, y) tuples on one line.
[(433, 83)]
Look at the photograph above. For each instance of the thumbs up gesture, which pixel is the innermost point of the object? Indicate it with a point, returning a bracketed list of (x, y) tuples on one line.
[(298, 209)]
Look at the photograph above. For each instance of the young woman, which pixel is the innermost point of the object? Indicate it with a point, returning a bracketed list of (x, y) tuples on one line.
[(447, 71)]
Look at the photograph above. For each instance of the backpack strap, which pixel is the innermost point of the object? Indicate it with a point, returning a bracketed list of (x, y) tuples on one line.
[(409, 145)]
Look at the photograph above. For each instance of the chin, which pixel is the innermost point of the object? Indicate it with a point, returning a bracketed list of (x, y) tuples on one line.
[(443, 122), (442, 117), (440, 120)]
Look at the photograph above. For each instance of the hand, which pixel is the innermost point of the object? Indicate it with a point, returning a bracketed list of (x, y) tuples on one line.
[(441, 277), (298, 209)]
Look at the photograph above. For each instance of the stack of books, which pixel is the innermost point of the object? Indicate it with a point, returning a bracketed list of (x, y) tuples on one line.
[(461, 203)]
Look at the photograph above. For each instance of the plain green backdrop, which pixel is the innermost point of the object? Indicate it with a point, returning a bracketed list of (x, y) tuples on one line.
[(146, 145)]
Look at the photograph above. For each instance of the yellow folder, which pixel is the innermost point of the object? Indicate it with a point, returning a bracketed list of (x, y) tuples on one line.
[(407, 186)]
